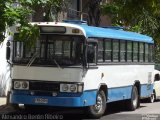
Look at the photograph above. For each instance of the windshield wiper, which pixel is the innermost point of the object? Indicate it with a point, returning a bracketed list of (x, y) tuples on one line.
[(35, 56), (56, 63), (32, 59)]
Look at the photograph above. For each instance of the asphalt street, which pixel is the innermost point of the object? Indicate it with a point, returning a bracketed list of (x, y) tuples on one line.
[(115, 111)]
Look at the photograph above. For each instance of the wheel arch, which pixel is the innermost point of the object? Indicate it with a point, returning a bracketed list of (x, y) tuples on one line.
[(103, 87), (138, 85)]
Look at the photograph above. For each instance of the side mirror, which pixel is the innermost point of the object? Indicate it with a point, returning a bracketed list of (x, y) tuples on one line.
[(8, 51)]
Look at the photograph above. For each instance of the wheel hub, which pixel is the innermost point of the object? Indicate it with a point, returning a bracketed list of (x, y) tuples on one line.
[(98, 105)]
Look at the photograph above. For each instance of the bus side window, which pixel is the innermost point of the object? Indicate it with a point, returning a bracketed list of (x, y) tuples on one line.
[(91, 56)]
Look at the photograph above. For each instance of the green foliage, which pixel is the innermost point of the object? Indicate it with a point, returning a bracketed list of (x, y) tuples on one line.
[(141, 14), (16, 15), (11, 15), (137, 15), (94, 12), (28, 34), (110, 9), (49, 7), (2, 20)]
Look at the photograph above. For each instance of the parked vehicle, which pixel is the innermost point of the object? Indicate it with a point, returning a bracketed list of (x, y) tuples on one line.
[(156, 85)]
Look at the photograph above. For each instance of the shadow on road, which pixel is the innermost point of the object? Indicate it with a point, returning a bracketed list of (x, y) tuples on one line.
[(46, 113), (146, 101)]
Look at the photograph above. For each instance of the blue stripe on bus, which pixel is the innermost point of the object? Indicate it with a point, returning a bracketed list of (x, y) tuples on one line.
[(88, 98), (79, 100), (119, 93), (124, 93)]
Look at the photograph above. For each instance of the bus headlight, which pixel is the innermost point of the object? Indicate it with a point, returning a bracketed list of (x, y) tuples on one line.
[(25, 85), (71, 87), (65, 87), (21, 85), (17, 85)]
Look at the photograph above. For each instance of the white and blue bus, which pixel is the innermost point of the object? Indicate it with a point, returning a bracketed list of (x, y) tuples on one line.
[(76, 65)]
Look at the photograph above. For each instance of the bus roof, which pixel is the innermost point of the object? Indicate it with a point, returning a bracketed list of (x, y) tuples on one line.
[(100, 32), (111, 33)]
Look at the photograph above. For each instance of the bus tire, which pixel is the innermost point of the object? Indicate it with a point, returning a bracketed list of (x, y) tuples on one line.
[(97, 110), (133, 103)]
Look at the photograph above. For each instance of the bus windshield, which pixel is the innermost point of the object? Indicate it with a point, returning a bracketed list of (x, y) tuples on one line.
[(52, 50)]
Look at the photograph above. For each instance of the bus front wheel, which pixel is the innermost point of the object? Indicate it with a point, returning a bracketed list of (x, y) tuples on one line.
[(97, 110)]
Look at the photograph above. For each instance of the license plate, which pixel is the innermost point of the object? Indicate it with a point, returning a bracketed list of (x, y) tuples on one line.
[(41, 100)]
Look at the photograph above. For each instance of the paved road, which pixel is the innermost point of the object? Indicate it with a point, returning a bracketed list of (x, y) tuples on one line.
[(116, 111), (147, 111)]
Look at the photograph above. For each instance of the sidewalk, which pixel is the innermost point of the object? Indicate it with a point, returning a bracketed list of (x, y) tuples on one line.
[(2, 101), (5, 109)]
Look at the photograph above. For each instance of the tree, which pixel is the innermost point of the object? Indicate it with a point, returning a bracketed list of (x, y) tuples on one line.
[(137, 15), (11, 14), (2, 22), (93, 8), (49, 8)]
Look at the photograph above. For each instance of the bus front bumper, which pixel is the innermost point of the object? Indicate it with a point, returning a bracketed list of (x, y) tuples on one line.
[(87, 98)]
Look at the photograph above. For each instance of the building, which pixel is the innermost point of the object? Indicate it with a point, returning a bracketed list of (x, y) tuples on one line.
[(104, 20), (75, 10)]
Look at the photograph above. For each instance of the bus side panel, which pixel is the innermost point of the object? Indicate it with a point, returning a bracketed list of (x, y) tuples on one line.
[(119, 93), (119, 79)]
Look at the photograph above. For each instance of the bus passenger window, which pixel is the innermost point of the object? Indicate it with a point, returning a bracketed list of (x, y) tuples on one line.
[(100, 51), (146, 52), (108, 50), (141, 52), (129, 51), (115, 50), (151, 53), (122, 51), (135, 51)]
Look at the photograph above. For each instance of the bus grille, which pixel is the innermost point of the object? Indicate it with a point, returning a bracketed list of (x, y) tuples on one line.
[(44, 86)]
